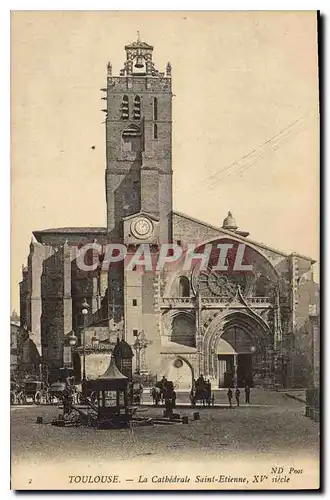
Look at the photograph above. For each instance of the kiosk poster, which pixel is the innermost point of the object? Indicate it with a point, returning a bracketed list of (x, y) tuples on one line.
[(165, 221)]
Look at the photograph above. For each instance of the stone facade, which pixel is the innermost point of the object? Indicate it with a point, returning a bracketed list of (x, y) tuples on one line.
[(231, 327)]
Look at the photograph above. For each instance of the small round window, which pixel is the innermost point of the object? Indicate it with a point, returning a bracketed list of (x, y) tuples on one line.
[(178, 363)]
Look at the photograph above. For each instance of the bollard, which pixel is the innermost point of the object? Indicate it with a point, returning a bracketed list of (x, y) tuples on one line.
[(185, 420), (39, 420), (196, 415)]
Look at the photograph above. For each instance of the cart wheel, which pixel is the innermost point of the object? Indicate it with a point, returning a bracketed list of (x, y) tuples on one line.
[(73, 417)]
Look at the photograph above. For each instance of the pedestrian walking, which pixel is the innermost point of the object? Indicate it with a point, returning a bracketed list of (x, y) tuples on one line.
[(247, 394), (237, 395), (174, 399), (230, 396)]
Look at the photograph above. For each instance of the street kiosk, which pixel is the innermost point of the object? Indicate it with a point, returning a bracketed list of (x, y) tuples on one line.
[(110, 396)]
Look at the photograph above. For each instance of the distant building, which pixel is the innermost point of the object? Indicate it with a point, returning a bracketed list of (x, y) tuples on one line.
[(225, 325), (25, 359), (14, 335), (314, 315)]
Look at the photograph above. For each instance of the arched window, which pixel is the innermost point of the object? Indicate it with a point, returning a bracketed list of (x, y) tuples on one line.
[(184, 287), (125, 108), (155, 108), (155, 131), (131, 144), (183, 330), (137, 108)]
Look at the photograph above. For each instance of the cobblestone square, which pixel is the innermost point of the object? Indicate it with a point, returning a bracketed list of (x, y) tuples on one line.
[(274, 425)]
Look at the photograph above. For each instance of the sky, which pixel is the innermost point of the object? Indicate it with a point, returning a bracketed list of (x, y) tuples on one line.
[(245, 119)]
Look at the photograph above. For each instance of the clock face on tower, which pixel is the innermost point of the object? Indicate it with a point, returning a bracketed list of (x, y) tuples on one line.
[(141, 228)]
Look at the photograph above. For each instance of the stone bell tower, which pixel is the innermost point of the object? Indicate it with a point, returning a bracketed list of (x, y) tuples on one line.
[(139, 149)]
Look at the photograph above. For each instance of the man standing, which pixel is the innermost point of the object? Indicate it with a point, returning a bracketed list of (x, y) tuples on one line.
[(247, 394), (237, 395), (173, 399), (230, 396)]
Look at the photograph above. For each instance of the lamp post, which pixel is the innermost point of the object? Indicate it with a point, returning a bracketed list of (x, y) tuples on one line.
[(72, 339), (84, 312), (137, 348), (139, 345), (72, 342)]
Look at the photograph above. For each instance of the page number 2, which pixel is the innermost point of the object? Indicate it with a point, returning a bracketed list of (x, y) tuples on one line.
[(30, 481)]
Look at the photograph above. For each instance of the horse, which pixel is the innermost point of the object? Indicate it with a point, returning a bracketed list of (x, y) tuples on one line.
[(156, 394)]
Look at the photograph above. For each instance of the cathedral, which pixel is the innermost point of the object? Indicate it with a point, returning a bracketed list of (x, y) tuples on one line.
[(252, 327)]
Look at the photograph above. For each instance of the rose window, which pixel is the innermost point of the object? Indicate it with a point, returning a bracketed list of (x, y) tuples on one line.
[(217, 284)]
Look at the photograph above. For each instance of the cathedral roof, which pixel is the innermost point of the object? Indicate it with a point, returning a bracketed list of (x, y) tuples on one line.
[(71, 230), (239, 237)]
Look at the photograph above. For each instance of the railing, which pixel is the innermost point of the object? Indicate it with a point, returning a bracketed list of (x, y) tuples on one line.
[(189, 302), (177, 302), (258, 301), (90, 348)]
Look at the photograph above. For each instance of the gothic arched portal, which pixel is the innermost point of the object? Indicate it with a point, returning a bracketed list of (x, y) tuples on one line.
[(235, 349)]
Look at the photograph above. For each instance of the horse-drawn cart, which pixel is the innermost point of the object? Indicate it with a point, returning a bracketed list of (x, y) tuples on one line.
[(163, 392), (201, 392)]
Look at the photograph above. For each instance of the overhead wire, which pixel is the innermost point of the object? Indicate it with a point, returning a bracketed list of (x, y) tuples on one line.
[(268, 146)]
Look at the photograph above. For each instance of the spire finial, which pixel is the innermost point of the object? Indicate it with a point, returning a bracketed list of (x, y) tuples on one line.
[(138, 37)]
